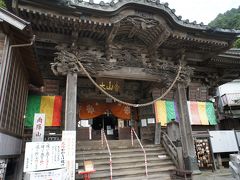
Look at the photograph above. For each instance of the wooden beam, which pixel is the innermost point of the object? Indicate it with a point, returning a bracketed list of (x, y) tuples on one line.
[(113, 33), (53, 37), (162, 37)]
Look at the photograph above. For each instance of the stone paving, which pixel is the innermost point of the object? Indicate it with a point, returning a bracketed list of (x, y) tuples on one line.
[(222, 174)]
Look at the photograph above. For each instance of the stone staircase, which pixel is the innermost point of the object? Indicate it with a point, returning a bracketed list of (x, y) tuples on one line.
[(127, 161)]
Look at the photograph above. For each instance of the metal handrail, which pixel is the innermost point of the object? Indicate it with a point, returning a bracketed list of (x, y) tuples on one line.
[(104, 138), (171, 148), (144, 152)]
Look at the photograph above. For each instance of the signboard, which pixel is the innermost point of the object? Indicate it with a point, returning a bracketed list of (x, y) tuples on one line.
[(144, 122), (69, 141), (238, 137), (9, 145), (111, 85), (223, 141), (38, 127), (3, 167), (59, 174), (44, 156)]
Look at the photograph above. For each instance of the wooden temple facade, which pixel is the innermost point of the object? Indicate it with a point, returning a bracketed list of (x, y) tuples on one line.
[(134, 50)]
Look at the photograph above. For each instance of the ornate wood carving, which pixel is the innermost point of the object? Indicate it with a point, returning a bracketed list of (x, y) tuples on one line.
[(95, 61)]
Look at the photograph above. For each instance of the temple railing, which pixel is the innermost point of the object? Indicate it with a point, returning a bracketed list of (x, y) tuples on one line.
[(144, 152), (104, 139), (171, 149)]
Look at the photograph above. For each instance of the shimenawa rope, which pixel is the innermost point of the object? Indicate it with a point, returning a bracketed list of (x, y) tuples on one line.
[(123, 102)]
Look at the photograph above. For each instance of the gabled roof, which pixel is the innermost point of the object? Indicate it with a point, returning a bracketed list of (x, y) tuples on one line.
[(21, 32), (13, 20), (109, 9)]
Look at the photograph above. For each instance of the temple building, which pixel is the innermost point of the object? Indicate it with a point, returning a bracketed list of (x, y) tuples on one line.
[(120, 70)]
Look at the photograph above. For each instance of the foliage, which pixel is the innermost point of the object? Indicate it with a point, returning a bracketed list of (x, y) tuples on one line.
[(2, 4), (228, 20), (237, 43)]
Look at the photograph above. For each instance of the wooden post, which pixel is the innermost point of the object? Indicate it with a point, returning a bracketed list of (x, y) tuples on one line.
[(189, 155), (157, 137), (71, 101)]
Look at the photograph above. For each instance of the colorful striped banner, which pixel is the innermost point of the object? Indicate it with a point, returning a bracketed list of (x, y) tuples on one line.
[(51, 106), (200, 113), (165, 112)]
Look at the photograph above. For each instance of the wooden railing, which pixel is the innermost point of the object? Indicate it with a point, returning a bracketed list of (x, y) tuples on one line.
[(144, 152), (104, 138), (170, 148)]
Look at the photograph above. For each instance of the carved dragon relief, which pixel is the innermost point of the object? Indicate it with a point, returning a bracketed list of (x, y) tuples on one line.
[(141, 23), (66, 61)]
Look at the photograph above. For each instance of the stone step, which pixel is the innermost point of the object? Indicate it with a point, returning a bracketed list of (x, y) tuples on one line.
[(125, 160), (118, 155), (90, 145), (131, 172), (132, 165), (119, 150), (152, 176)]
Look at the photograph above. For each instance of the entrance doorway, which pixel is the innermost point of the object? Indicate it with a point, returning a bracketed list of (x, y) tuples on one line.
[(109, 123)]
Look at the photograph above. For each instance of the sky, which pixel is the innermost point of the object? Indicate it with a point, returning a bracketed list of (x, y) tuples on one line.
[(201, 10), (198, 10)]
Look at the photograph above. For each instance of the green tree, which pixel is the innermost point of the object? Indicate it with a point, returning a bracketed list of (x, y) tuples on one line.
[(228, 20), (2, 4), (237, 43)]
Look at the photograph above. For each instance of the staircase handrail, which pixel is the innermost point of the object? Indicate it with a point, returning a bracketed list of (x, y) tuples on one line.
[(104, 138), (170, 148), (144, 152)]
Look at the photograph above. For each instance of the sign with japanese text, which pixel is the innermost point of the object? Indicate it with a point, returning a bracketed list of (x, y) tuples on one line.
[(59, 174), (44, 156), (111, 85), (38, 127), (69, 141)]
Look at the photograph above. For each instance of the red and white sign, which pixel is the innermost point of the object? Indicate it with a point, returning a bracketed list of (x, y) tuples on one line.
[(44, 156), (69, 140)]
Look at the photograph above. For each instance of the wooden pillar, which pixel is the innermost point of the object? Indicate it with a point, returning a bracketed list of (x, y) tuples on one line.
[(71, 101), (157, 137), (189, 155)]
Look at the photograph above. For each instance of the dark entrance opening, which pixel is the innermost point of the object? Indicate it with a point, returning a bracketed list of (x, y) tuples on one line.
[(109, 123)]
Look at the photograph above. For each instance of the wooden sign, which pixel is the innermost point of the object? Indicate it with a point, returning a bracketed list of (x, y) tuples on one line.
[(38, 127), (111, 85), (88, 165)]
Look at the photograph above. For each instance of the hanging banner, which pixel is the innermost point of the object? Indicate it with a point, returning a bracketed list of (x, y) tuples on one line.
[(51, 106), (91, 110), (200, 113), (38, 127), (69, 141), (59, 174), (165, 112), (44, 156)]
